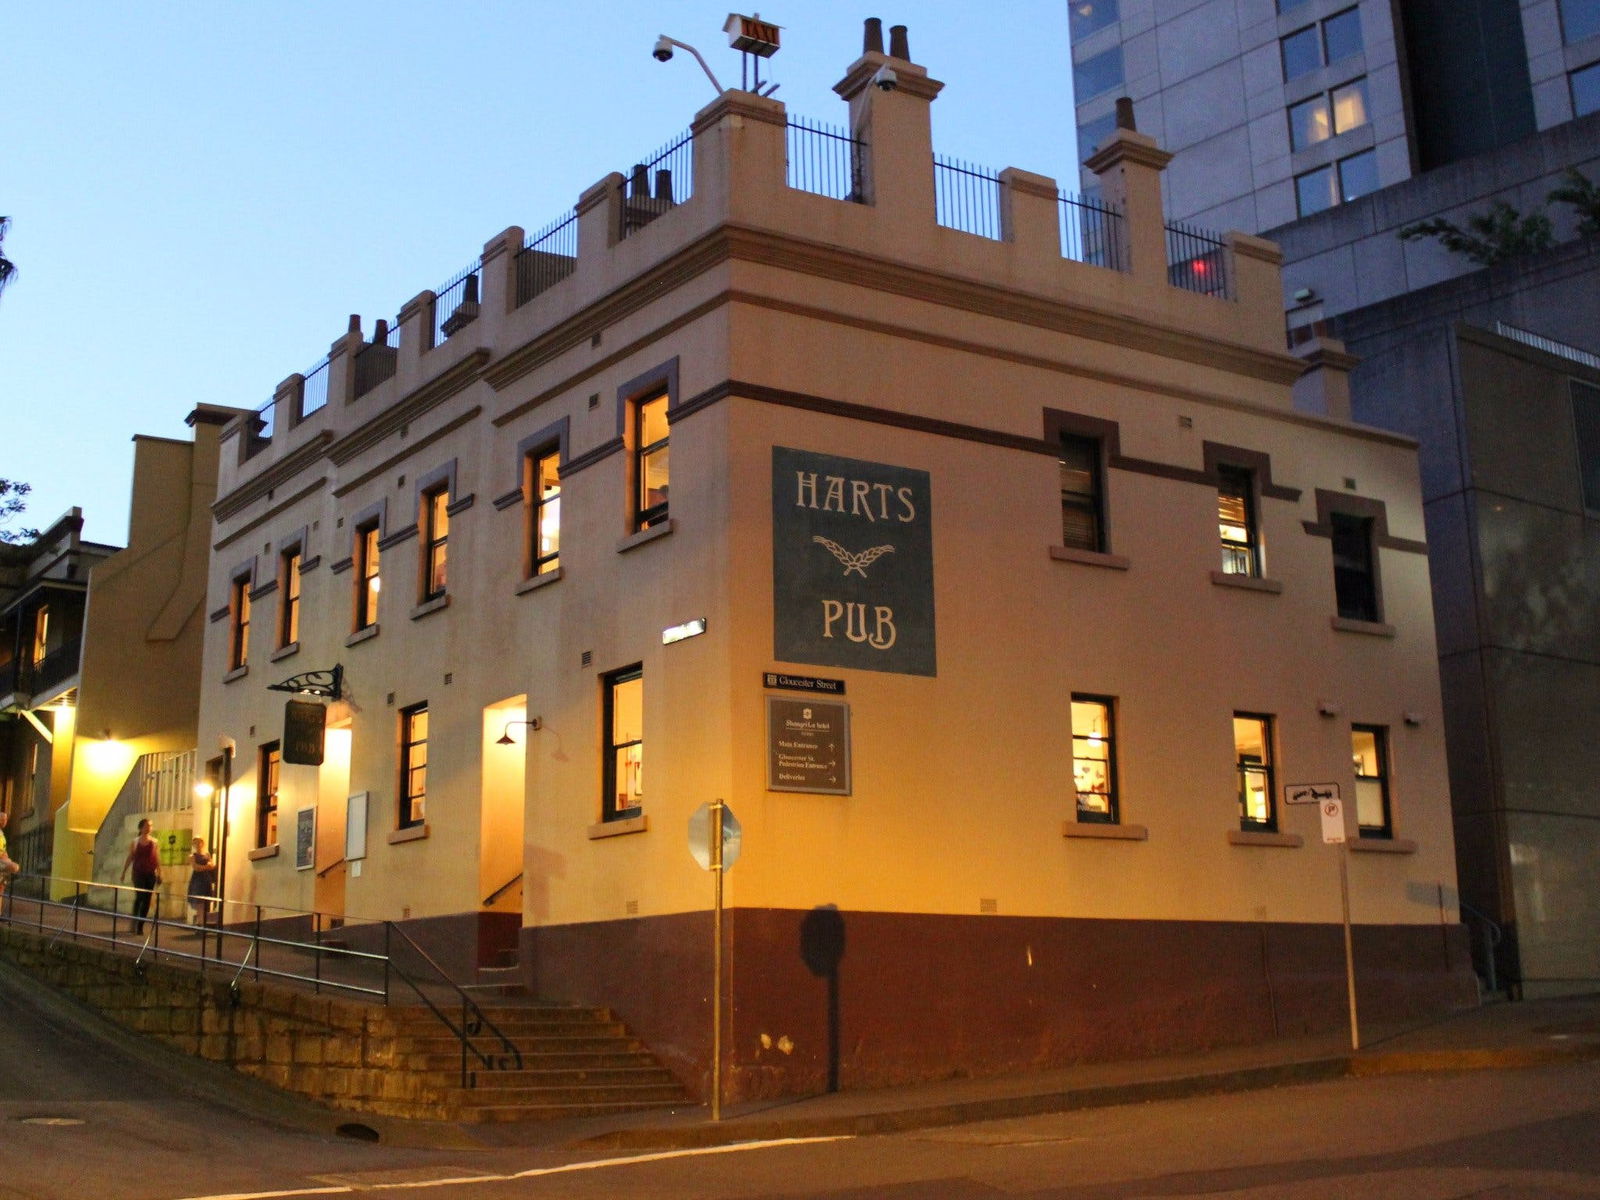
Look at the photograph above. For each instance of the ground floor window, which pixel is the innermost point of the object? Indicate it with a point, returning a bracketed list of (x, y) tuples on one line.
[(1370, 751), (1094, 760), (624, 753), (413, 765), (1252, 752)]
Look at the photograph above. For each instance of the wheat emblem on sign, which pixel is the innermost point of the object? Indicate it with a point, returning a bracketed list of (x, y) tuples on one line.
[(853, 562)]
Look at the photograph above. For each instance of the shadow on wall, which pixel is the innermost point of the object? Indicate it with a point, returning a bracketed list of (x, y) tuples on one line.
[(822, 944)]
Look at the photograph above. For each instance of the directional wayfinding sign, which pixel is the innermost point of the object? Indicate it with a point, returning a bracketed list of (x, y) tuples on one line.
[(700, 837), (808, 746)]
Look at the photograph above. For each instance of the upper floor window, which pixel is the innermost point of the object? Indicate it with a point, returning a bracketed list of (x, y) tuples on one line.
[(1094, 76), (1315, 46), (1325, 187), (41, 633), (542, 489), (1580, 19), (1236, 521), (238, 622), (1083, 525), (289, 590), (1252, 754), (269, 760), (413, 765), (1094, 760), (623, 767), (1355, 574), (1585, 90), (651, 461), (368, 581), (1328, 114), (1086, 16), (435, 518), (1370, 751)]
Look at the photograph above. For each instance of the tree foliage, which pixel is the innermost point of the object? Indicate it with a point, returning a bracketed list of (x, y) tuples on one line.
[(1578, 190), (1501, 233), (7, 267), (13, 502)]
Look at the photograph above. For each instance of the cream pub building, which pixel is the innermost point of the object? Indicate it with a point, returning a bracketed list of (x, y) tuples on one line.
[(1004, 588)]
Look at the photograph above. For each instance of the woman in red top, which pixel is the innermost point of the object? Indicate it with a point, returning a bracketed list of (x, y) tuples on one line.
[(145, 859)]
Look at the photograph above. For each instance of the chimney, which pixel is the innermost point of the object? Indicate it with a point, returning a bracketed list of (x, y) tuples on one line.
[(872, 37)]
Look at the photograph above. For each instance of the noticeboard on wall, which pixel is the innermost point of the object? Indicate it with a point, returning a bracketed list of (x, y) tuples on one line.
[(305, 838), (355, 827)]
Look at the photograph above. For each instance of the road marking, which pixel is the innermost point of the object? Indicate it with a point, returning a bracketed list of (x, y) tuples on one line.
[(531, 1173)]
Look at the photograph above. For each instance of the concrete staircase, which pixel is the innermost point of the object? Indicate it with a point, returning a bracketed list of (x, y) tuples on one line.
[(576, 1062)]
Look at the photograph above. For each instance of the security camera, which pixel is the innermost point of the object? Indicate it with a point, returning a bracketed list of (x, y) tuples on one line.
[(663, 50), (886, 80)]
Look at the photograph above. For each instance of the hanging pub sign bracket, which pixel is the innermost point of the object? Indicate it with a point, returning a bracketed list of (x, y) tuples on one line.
[(327, 684)]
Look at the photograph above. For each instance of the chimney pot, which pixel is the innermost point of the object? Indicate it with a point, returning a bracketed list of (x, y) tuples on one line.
[(872, 36), (1125, 114), (899, 44)]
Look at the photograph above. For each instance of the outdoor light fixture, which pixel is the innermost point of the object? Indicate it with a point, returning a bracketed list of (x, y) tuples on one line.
[(688, 629), (505, 739)]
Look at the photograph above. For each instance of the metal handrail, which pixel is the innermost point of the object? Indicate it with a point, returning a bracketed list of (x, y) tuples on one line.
[(503, 889), (474, 1023)]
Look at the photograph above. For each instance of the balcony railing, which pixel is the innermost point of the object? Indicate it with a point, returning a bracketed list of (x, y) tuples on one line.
[(549, 257), (1091, 231), (825, 160), (1197, 261), (55, 668), (658, 185), (966, 197)]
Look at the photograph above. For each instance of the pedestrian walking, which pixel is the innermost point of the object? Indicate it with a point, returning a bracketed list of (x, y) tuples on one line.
[(144, 857), (7, 867), (202, 880)]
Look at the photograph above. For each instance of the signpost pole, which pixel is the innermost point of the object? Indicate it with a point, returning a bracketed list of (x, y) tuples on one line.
[(716, 962), (1349, 954)]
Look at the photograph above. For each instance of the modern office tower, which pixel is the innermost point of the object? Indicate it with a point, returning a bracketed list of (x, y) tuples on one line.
[(1280, 109)]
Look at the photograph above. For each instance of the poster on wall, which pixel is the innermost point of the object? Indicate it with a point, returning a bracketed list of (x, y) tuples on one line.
[(305, 838), (355, 827), (852, 563)]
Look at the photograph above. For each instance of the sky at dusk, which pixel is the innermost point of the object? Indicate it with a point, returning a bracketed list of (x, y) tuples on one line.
[(201, 193)]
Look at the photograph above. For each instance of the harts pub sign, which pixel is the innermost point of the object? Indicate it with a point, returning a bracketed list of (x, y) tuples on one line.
[(852, 563)]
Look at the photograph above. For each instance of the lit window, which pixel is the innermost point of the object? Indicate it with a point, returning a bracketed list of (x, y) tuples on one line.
[(289, 589), (238, 622), (1358, 175), (413, 765), (1096, 75), (435, 542), (268, 761), (1350, 106), (1314, 191), (41, 633), (1370, 751), (624, 754), (1086, 16), (1236, 519), (368, 582), (652, 465), (1355, 578), (542, 489), (1082, 497), (1580, 19), (1585, 90), (1094, 760), (1252, 752), (1310, 122)]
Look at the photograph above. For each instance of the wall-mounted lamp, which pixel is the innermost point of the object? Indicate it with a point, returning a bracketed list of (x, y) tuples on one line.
[(1413, 719), (1328, 709), (505, 739), (204, 790)]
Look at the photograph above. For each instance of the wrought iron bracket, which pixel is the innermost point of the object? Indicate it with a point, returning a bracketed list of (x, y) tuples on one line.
[(329, 684)]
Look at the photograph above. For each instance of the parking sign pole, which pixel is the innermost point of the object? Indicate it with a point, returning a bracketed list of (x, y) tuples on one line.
[(1349, 953), (716, 963)]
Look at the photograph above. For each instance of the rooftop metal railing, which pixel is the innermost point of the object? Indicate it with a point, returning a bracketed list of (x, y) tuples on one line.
[(456, 303), (315, 395), (378, 360), (1197, 261), (966, 197), (288, 946), (825, 160), (657, 185), (1091, 231), (550, 255)]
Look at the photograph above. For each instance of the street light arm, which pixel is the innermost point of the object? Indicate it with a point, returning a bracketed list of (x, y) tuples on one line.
[(685, 46)]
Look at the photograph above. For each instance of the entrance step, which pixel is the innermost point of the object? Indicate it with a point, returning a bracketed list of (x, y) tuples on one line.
[(498, 981)]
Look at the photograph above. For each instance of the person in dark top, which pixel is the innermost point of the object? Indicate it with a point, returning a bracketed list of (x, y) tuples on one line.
[(145, 859)]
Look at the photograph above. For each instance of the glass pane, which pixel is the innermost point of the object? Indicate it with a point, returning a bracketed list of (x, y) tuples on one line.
[(1586, 90), (1364, 752), (1309, 123), (1098, 74), (1579, 19), (419, 726), (1301, 53), (653, 479), (629, 766), (1586, 418), (1250, 739), (436, 568), (627, 710), (1255, 805), (1285, 5), (652, 421), (1086, 16), (1358, 174), (1314, 191), (439, 514), (1369, 804), (1350, 106), (1092, 133), (549, 532), (1342, 34)]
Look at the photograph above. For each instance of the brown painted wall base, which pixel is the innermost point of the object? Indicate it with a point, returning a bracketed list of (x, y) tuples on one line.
[(824, 999)]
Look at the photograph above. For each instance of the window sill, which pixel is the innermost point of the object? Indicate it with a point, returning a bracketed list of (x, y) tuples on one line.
[(361, 635), (1089, 558), (1115, 833), (634, 540), (1370, 628), (1248, 583), (236, 673), (1250, 837), (283, 652), (538, 581), (437, 604), (607, 829), (1382, 845), (411, 833), (261, 852)]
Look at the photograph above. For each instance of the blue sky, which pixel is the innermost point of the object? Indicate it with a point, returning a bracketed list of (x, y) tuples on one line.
[(202, 192)]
